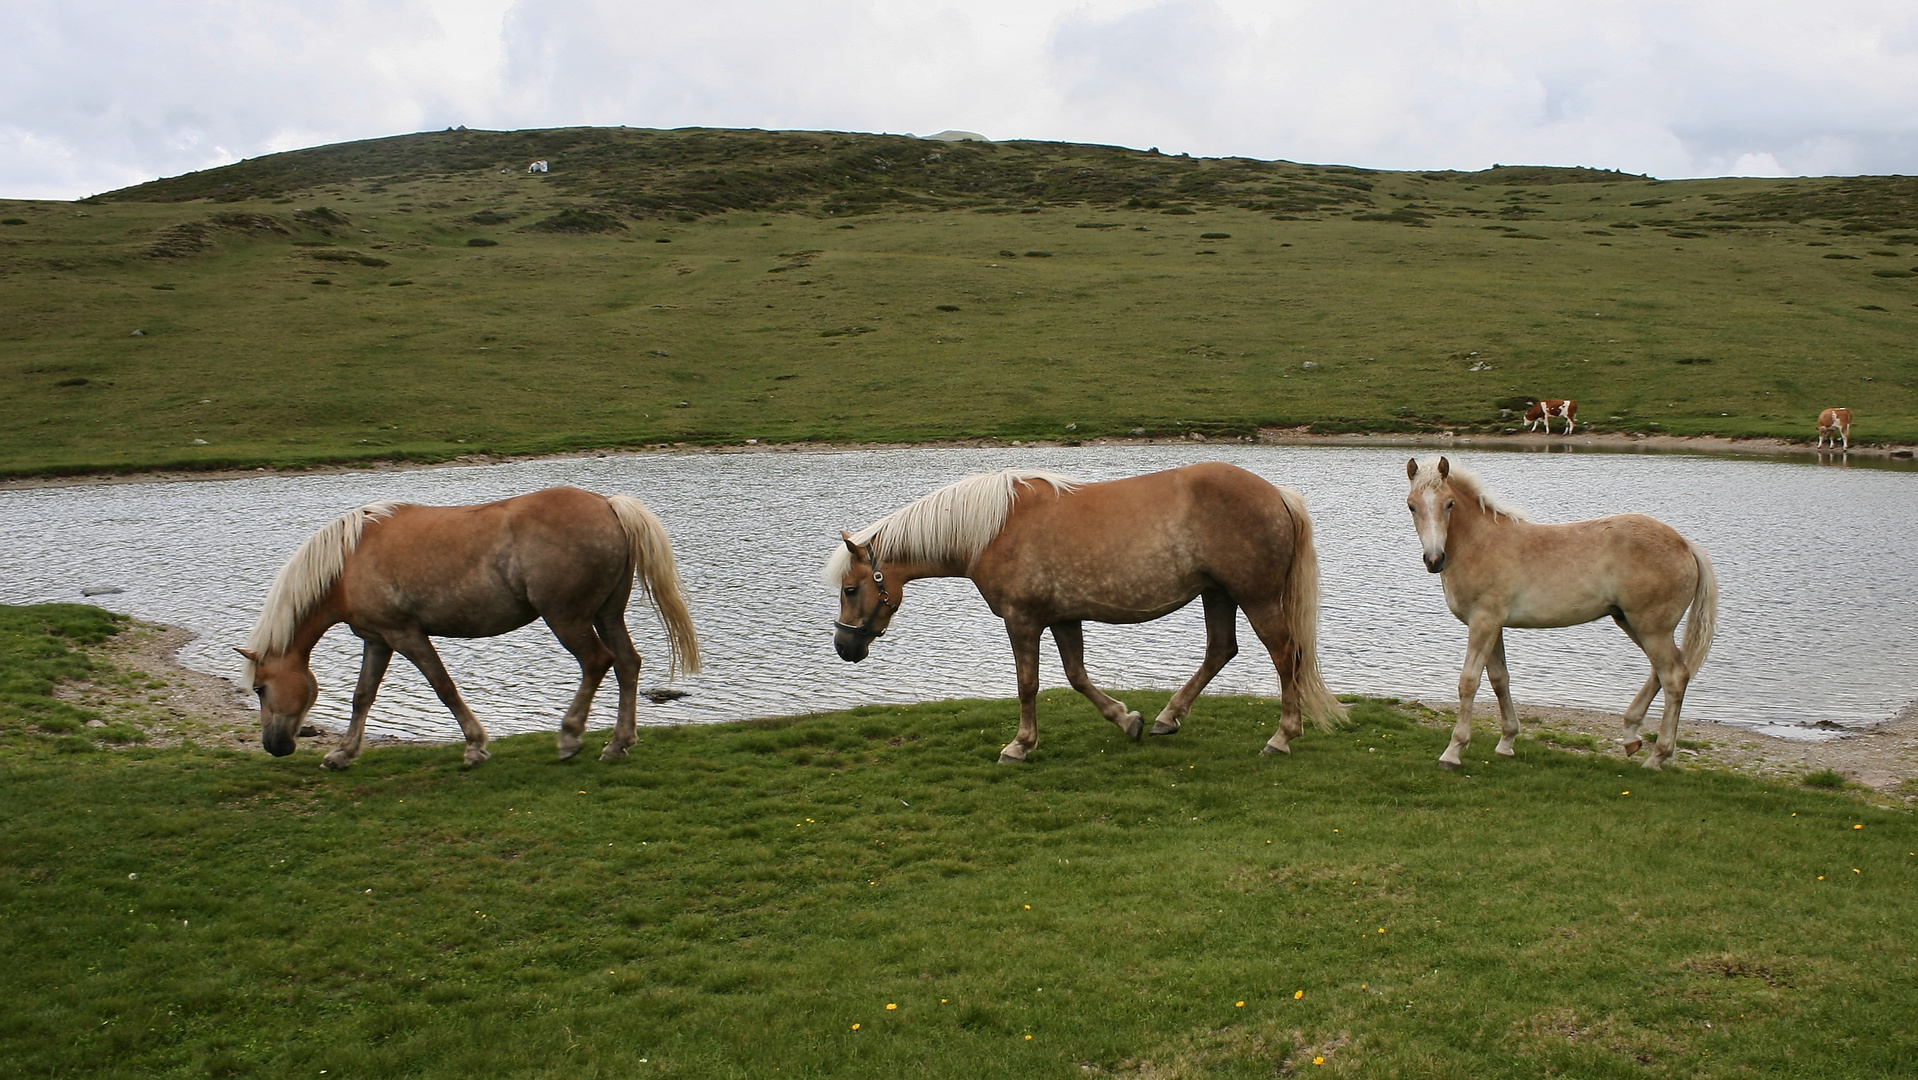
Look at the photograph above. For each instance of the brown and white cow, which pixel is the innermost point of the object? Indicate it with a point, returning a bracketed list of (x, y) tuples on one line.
[(1543, 412), (1834, 424)]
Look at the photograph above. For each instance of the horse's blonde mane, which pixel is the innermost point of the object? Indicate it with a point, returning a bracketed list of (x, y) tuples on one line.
[(304, 580), (1466, 483), (955, 522)]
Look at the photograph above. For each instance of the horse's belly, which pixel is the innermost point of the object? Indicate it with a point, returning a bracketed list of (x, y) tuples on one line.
[(1557, 613)]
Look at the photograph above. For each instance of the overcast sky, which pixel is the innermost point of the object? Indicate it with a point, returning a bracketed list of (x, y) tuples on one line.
[(99, 94)]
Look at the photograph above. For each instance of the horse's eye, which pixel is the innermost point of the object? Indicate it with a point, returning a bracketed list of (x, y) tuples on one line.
[(259, 692), (1448, 504), (852, 590)]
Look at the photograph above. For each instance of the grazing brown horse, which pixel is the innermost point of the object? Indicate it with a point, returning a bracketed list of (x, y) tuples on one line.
[(1834, 424), (1501, 570), (1543, 412), (1049, 552), (399, 574)]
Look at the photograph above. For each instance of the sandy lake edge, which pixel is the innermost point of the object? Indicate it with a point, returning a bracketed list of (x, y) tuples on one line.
[(143, 683)]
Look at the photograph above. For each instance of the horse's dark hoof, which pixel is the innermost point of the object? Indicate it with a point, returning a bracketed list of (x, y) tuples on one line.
[(1449, 766), (1134, 726), (1008, 759), (1268, 748), (1633, 747), (1165, 727)]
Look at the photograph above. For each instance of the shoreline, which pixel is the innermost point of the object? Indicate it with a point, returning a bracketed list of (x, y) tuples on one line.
[(210, 710), (1756, 447)]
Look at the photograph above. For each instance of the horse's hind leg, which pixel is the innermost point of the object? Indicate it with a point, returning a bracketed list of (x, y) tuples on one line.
[(612, 630), (1501, 679), (1669, 668), (418, 648), (1635, 712), (594, 658), (373, 659), (1221, 645), (1071, 640), (1268, 621)]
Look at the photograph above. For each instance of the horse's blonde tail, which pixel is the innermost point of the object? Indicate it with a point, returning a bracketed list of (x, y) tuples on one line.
[(1702, 623), (655, 572), (1302, 618)]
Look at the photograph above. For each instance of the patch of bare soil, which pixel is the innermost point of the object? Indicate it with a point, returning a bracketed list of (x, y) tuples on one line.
[(139, 681), (1884, 758)]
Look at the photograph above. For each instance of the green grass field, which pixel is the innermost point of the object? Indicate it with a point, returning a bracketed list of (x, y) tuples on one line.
[(406, 298), (868, 894)]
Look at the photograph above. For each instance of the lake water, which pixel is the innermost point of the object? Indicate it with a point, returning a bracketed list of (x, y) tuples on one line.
[(1818, 572)]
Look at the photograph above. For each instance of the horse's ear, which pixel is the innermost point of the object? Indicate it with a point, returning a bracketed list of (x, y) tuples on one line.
[(250, 657), (1411, 468), (850, 546), (1445, 467)]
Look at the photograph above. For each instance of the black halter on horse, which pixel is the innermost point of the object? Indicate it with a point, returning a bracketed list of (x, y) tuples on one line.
[(864, 627)]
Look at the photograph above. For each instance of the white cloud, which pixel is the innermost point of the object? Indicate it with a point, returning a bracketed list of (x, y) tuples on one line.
[(96, 94)]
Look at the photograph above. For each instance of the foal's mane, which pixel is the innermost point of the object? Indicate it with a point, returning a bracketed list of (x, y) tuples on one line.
[(304, 580), (1466, 483), (955, 522)]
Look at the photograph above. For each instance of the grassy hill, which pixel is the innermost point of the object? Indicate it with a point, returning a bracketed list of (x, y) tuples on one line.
[(424, 296), (868, 894)]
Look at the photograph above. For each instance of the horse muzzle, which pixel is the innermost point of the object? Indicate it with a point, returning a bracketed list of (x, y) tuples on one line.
[(277, 743), (851, 642), (1435, 563)]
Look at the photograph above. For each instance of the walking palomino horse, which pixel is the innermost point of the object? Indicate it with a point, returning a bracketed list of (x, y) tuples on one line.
[(399, 574), (1049, 552), (1834, 424), (1500, 570)]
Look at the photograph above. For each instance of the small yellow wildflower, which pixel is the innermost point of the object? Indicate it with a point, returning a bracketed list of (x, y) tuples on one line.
[(855, 1027), (1297, 994), (890, 1006), (1381, 929), (1028, 907), (1857, 826), (1028, 1038), (1241, 1005), (1320, 1060)]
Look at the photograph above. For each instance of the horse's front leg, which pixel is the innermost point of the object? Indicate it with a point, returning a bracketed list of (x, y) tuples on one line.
[(373, 660), (1071, 640), (1025, 656), (418, 648), (1221, 645), (1502, 686), (1478, 651)]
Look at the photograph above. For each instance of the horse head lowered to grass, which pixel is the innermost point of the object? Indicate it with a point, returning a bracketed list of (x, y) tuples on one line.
[(1500, 570), (1049, 552), (399, 574)]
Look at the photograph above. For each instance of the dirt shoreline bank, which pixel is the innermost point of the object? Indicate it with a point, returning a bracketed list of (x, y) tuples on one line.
[(147, 686), (1602, 442)]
